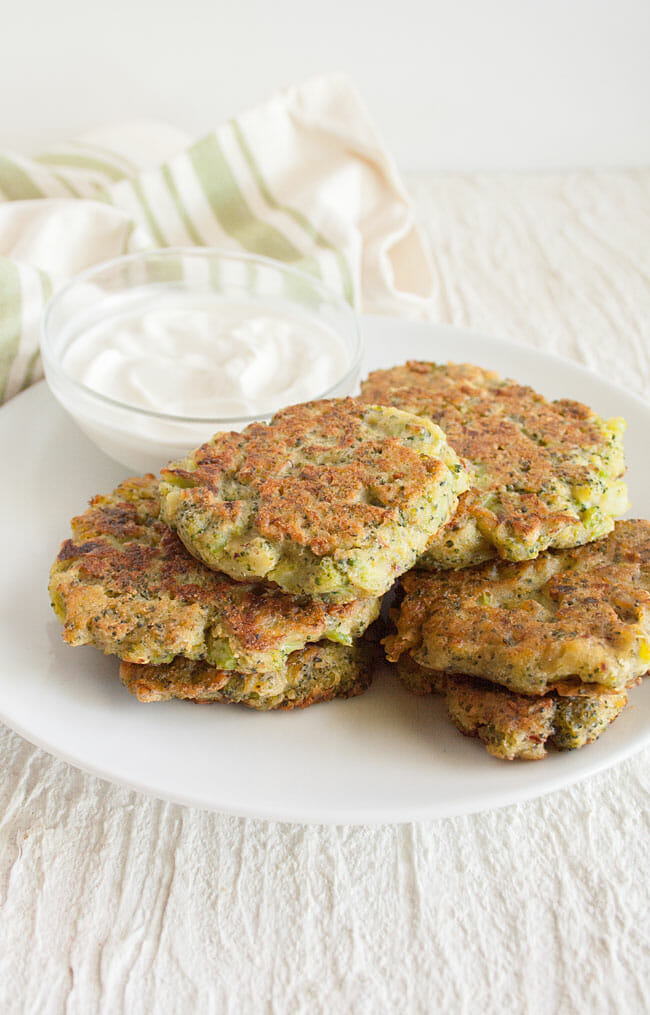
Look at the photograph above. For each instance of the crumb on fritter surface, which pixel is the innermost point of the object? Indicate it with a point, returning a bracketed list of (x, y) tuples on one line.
[(581, 614), (316, 673), (514, 725), (542, 474), (126, 584), (332, 499)]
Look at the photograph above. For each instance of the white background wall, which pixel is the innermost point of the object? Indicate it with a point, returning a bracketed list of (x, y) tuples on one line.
[(452, 84)]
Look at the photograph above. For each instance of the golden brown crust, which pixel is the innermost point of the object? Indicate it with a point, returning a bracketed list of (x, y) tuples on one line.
[(126, 583), (516, 725), (314, 674), (580, 614), (318, 475), (332, 498), (541, 473)]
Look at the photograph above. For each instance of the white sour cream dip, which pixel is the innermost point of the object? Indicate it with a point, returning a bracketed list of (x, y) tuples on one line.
[(214, 359)]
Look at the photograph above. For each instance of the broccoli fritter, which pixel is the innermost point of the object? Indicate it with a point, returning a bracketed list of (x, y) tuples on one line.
[(581, 614), (541, 474), (514, 725), (331, 499), (126, 584), (316, 673)]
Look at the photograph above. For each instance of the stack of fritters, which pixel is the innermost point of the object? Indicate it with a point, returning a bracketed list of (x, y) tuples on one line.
[(539, 651), (251, 572), (299, 527), (531, 652), (126, 584)]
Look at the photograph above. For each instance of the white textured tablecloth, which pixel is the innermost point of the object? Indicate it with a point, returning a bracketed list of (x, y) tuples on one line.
[(112, 902)]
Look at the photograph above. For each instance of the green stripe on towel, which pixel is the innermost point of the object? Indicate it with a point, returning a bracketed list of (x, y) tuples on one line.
[(16, 183), (230, 207), (155, 229), (190, 228), (298, 217), (74, 161), (10, 319)]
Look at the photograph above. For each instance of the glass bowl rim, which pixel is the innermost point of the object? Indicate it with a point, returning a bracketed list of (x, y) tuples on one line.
[(53, 363)]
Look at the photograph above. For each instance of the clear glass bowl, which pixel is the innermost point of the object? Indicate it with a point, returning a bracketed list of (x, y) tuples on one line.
[(144, 440)]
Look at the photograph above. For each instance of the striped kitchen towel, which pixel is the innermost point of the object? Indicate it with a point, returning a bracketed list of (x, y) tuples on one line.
[(302, 178)]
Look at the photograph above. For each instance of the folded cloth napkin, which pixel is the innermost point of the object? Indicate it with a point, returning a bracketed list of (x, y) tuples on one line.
[(302, 178)]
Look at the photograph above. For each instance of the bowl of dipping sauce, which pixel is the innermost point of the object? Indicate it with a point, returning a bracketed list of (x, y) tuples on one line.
[(154, 352)]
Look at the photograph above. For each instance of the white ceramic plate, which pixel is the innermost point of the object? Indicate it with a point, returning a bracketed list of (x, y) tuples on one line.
[(383, 757)]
